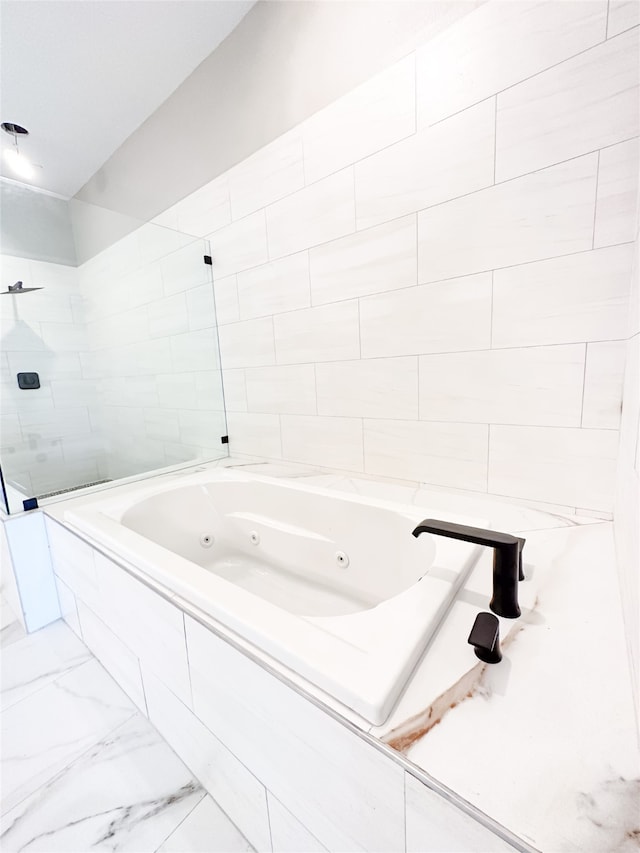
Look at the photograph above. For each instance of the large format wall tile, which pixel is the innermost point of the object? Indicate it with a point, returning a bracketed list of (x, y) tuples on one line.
[(435, 825), (326, 333), (226, 299), (348, 795), (146, 623), (617, 194), (449, 315), (271, 288), (536, 216), (581, 297), (288, 834), (321, 212), (268, 175), (445, 454), (118, 660), (583, 104), (233, 787), (498, 45), (533, 385), (376, 114), (73, 562), (371, 261), (254, 434), (247, 344), (239, 246), (623, 14), (205, 210), (332, 442), (603, 381), (570, 466), (369, 388), (442, 162), (285, 389)]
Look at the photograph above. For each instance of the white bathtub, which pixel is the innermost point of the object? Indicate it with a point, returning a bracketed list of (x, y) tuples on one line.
[(332, 586)]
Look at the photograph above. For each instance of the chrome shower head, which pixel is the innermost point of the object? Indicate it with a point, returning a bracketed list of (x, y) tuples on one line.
[(17, 289)]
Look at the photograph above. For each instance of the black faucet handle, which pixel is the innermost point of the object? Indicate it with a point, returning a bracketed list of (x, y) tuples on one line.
[(521, 542), (485, 638)]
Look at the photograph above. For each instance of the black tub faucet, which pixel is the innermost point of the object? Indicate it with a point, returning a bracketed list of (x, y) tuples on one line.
[(507, 559)]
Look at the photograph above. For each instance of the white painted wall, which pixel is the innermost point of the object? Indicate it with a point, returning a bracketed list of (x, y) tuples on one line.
[(428, 279)]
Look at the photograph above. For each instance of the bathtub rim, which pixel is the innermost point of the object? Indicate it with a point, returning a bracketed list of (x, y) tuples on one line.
[(370, 680)]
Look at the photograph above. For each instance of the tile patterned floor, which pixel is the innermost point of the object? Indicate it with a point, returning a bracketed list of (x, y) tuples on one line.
[(81, 769)]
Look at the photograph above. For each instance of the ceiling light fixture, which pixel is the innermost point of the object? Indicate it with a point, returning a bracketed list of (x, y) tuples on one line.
[(18, 163)]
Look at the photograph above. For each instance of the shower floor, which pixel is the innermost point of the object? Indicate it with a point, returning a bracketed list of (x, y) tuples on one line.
[(82, 768)]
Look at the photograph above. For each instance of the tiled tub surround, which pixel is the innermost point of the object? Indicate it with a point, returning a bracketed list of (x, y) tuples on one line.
[(295, 771), (299, 571), (460, 227)]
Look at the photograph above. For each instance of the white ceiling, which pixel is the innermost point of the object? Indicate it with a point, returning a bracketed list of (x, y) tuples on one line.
[(82, 75)]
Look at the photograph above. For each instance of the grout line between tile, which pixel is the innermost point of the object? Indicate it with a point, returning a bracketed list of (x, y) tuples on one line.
[(404, 798), (606, 26), (495, 139), (186, 649), (188, 814), (525, 79), (595, 204), (144, 692), (584, 383)]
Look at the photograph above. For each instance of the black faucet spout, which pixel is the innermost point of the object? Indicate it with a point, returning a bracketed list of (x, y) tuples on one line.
[(507, 559)]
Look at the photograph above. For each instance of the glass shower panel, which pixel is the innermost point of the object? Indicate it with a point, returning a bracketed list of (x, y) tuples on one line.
[(126, 354)]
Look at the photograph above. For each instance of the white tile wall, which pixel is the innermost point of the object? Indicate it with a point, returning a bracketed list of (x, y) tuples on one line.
[(113, 654), (238, 246), (275, 287), (574, 466), (228, 781), (333, 442), (532, 385), (321, 212), (499, 45), (376, 114), (435, 825), (148, 625), (537, 216), (273, 172), (255, 434), (226, 299), (347, 795), (247, 344), (325, 333), (446, 454), (581, 297), (603, 383), (442, 162), (617, 192), (448, 315), (623, 14), (586, 103), (371, 261), (287, 389), (287, 833), (368, 388)]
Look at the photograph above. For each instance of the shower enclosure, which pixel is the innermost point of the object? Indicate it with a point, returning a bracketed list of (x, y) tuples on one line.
[(110, 369)]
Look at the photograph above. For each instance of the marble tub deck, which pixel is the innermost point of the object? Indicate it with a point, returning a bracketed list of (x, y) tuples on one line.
[(82, 769)]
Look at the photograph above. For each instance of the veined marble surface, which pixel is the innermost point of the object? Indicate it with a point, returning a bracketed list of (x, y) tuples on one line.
[(83, 770)]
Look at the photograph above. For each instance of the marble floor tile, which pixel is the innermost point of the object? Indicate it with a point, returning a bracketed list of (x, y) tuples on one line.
[(30, 663), (127, 792), (11, 628), (46, 731), (206, 829)]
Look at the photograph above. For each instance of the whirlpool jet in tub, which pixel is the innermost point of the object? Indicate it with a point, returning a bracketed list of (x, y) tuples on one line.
[(331, 585)]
